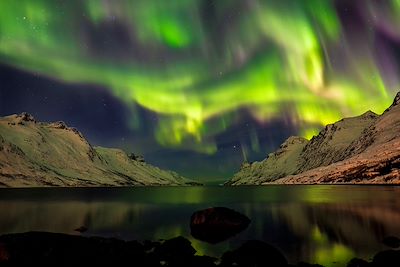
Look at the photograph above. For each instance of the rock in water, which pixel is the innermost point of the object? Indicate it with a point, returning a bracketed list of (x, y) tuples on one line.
[(305, 264), (217, 224), (81, 229), (176, 251), (4, 255), (254, 253), (387, 258), (356, 262), (391, 241)]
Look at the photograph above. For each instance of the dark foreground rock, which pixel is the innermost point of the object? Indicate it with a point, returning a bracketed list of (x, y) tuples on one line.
[(41, 248), (391, 241), (358, 263), (387, 258), (51, 249), (217, 224), (254, 253), (68, 250)]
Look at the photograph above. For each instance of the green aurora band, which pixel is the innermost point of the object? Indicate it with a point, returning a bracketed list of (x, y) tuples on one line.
[(198, 71)]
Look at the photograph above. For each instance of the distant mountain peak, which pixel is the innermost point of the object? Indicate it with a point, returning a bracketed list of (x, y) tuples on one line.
[(369, 114), (290, 142), (24, 116), (396, 102), (59, 125), (295, 140)]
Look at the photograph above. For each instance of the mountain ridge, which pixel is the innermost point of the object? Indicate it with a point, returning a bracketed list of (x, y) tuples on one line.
[(36, 154), (361, 149)]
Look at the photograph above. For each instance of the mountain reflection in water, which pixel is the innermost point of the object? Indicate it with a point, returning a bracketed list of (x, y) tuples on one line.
[(309, 223)]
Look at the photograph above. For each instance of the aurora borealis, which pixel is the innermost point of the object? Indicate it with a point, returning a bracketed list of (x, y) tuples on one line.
[(221, 81)]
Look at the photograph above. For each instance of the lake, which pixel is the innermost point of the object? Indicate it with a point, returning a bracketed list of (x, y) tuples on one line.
[(310, 223)]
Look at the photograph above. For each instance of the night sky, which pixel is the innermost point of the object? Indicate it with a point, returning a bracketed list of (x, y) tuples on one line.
[(198, 86)]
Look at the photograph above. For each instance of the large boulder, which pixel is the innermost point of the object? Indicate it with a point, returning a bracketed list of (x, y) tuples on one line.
[(217, 224)]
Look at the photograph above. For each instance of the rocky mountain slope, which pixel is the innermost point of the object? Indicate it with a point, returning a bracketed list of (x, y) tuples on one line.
[(52, 154), (362, 149)]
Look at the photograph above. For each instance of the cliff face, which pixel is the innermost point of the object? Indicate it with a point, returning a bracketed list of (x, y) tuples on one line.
[(363, 149), (52, 154)]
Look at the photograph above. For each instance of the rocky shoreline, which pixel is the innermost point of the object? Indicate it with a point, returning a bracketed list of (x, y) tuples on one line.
[(44, 248)]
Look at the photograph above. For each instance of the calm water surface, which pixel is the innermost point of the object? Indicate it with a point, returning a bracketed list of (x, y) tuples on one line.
[(309, 223)]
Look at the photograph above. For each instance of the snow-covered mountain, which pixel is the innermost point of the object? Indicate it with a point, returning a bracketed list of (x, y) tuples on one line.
[(362, 149), (52, 154)]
